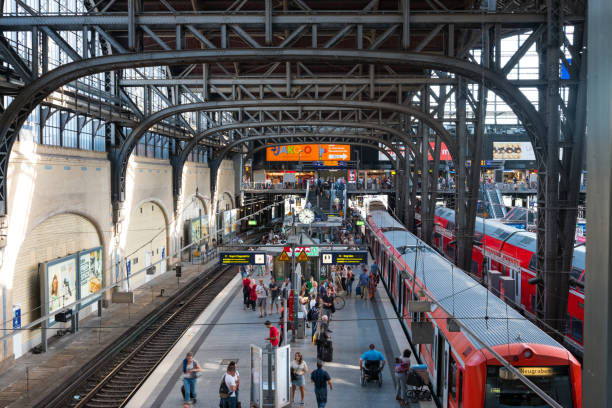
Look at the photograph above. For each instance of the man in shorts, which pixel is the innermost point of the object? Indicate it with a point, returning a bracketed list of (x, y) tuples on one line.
[(262, 295), (274, 295)]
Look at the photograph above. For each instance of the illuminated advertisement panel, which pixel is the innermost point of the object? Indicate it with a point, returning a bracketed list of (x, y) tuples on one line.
[(308, 152), (513, 151), (90, 272), (60, 284)]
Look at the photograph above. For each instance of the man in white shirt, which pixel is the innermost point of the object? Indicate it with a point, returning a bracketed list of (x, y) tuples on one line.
[(262, 295), (231, 381)]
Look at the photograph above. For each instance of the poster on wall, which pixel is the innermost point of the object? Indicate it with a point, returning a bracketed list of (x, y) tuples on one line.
[(227, 222), (204, 226), (513, 151), (59, 287), (90, 273), (196, 231), (234, 214)]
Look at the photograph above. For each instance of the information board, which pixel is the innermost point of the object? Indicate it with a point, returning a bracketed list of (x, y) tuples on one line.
[(344, 258), (242, 258)]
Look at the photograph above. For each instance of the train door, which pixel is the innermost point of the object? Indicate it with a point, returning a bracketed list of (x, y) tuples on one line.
[(516, 275), (442, 357)]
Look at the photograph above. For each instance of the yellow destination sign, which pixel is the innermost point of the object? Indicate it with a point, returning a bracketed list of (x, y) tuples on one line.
[(536, 371)]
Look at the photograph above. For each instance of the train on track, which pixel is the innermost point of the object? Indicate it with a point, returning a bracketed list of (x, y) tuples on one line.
[(511, 251), (463, 370)]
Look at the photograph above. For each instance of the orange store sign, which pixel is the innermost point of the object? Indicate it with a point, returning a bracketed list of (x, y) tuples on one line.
[(308, 152)]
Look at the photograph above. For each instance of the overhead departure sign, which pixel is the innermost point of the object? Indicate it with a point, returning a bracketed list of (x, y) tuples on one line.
[(242, 258), (344, 258)]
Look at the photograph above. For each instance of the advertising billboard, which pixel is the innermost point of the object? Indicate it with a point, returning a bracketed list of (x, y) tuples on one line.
[(59, 286), (444, 153), (227, 222), (90, 272), (308, 152), (234, 214), (196, 230), (513, 151), (204, 226)]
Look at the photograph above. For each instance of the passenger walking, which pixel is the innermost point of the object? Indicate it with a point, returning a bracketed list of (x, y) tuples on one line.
[(227, 390), (313, 316), (273, 336), (364, 280), (274, 295), (253, 294), (372, 283), (191, 368), (298, 370), (321, 380), (350, 279), (262, 295), (246, 292), (402, 366)]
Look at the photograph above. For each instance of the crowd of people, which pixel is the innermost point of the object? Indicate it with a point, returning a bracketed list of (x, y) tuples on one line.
[(262, 293)]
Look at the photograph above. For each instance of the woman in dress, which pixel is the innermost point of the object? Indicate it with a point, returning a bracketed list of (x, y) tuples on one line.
[(298, 369)]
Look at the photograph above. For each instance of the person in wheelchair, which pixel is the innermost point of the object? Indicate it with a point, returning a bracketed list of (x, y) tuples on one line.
[(371, 364)]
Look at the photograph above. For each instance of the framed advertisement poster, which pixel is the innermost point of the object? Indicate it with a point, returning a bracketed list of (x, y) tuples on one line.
[(59, 285), (196, 230), (227, 222), (204, 226), (234, 214), (91, 272)]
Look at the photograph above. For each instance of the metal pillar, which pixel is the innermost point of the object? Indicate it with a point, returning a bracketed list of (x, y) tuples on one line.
[(597, 374), (460, 172)]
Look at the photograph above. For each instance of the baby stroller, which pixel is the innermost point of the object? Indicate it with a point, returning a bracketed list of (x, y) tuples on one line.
[(419, 380), (371, 371)]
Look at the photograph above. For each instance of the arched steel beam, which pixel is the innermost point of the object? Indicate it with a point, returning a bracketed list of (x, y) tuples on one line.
[(33, 94), (179, 160), (153, 119)]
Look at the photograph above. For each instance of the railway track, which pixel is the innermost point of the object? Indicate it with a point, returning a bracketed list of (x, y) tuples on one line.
[(119, 370)]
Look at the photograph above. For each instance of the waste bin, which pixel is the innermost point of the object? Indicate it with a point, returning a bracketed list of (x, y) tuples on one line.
[(301, 327)]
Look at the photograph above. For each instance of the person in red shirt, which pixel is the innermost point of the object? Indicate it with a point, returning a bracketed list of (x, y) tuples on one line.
[(274, 336), (246, 292), (253, 294)]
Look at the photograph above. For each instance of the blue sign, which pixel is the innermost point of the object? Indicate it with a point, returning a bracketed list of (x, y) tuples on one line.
[(16, 317), (564, 70), (344, 258), (128, 267)]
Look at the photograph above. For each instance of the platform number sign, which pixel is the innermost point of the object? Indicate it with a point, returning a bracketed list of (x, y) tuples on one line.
[(327, 259), (260, 259)]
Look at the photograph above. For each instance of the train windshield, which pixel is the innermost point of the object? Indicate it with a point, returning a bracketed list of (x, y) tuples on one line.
[(504, 389)]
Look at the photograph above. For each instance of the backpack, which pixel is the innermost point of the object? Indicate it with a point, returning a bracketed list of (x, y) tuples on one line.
[(223, 390), (312, 315)]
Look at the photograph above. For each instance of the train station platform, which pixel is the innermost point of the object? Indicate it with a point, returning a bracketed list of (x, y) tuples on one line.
[(224, 332), (27, 381)]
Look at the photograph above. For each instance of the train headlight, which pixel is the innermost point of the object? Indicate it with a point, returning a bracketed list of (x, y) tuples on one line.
[(528, 353)]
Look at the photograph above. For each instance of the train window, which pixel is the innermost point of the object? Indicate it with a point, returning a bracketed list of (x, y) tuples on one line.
[(575, 277), (452, 378), (504, 389), (577, 329), (474, 268), (532, 263), (460, 399), (450, 251)]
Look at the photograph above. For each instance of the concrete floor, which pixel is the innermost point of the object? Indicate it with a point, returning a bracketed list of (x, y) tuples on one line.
[(354, 328)]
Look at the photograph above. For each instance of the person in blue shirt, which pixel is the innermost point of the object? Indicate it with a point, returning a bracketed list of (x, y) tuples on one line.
[(374, 269), (364, 280), (372, 355)]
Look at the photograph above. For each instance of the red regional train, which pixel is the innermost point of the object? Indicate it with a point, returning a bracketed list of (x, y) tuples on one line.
[(511, 251), (463, 372)]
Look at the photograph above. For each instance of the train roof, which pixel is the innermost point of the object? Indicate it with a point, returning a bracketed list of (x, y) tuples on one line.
[(513, 236), (463, 297)]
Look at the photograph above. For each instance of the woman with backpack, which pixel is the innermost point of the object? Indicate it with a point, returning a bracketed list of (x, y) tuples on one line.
[(191, 370)]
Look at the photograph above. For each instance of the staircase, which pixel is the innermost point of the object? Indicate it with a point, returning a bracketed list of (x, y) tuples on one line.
[(495, 203)]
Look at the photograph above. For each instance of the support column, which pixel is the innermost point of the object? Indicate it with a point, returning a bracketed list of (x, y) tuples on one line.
[(408, 182), (460, 172), (597, 373)]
